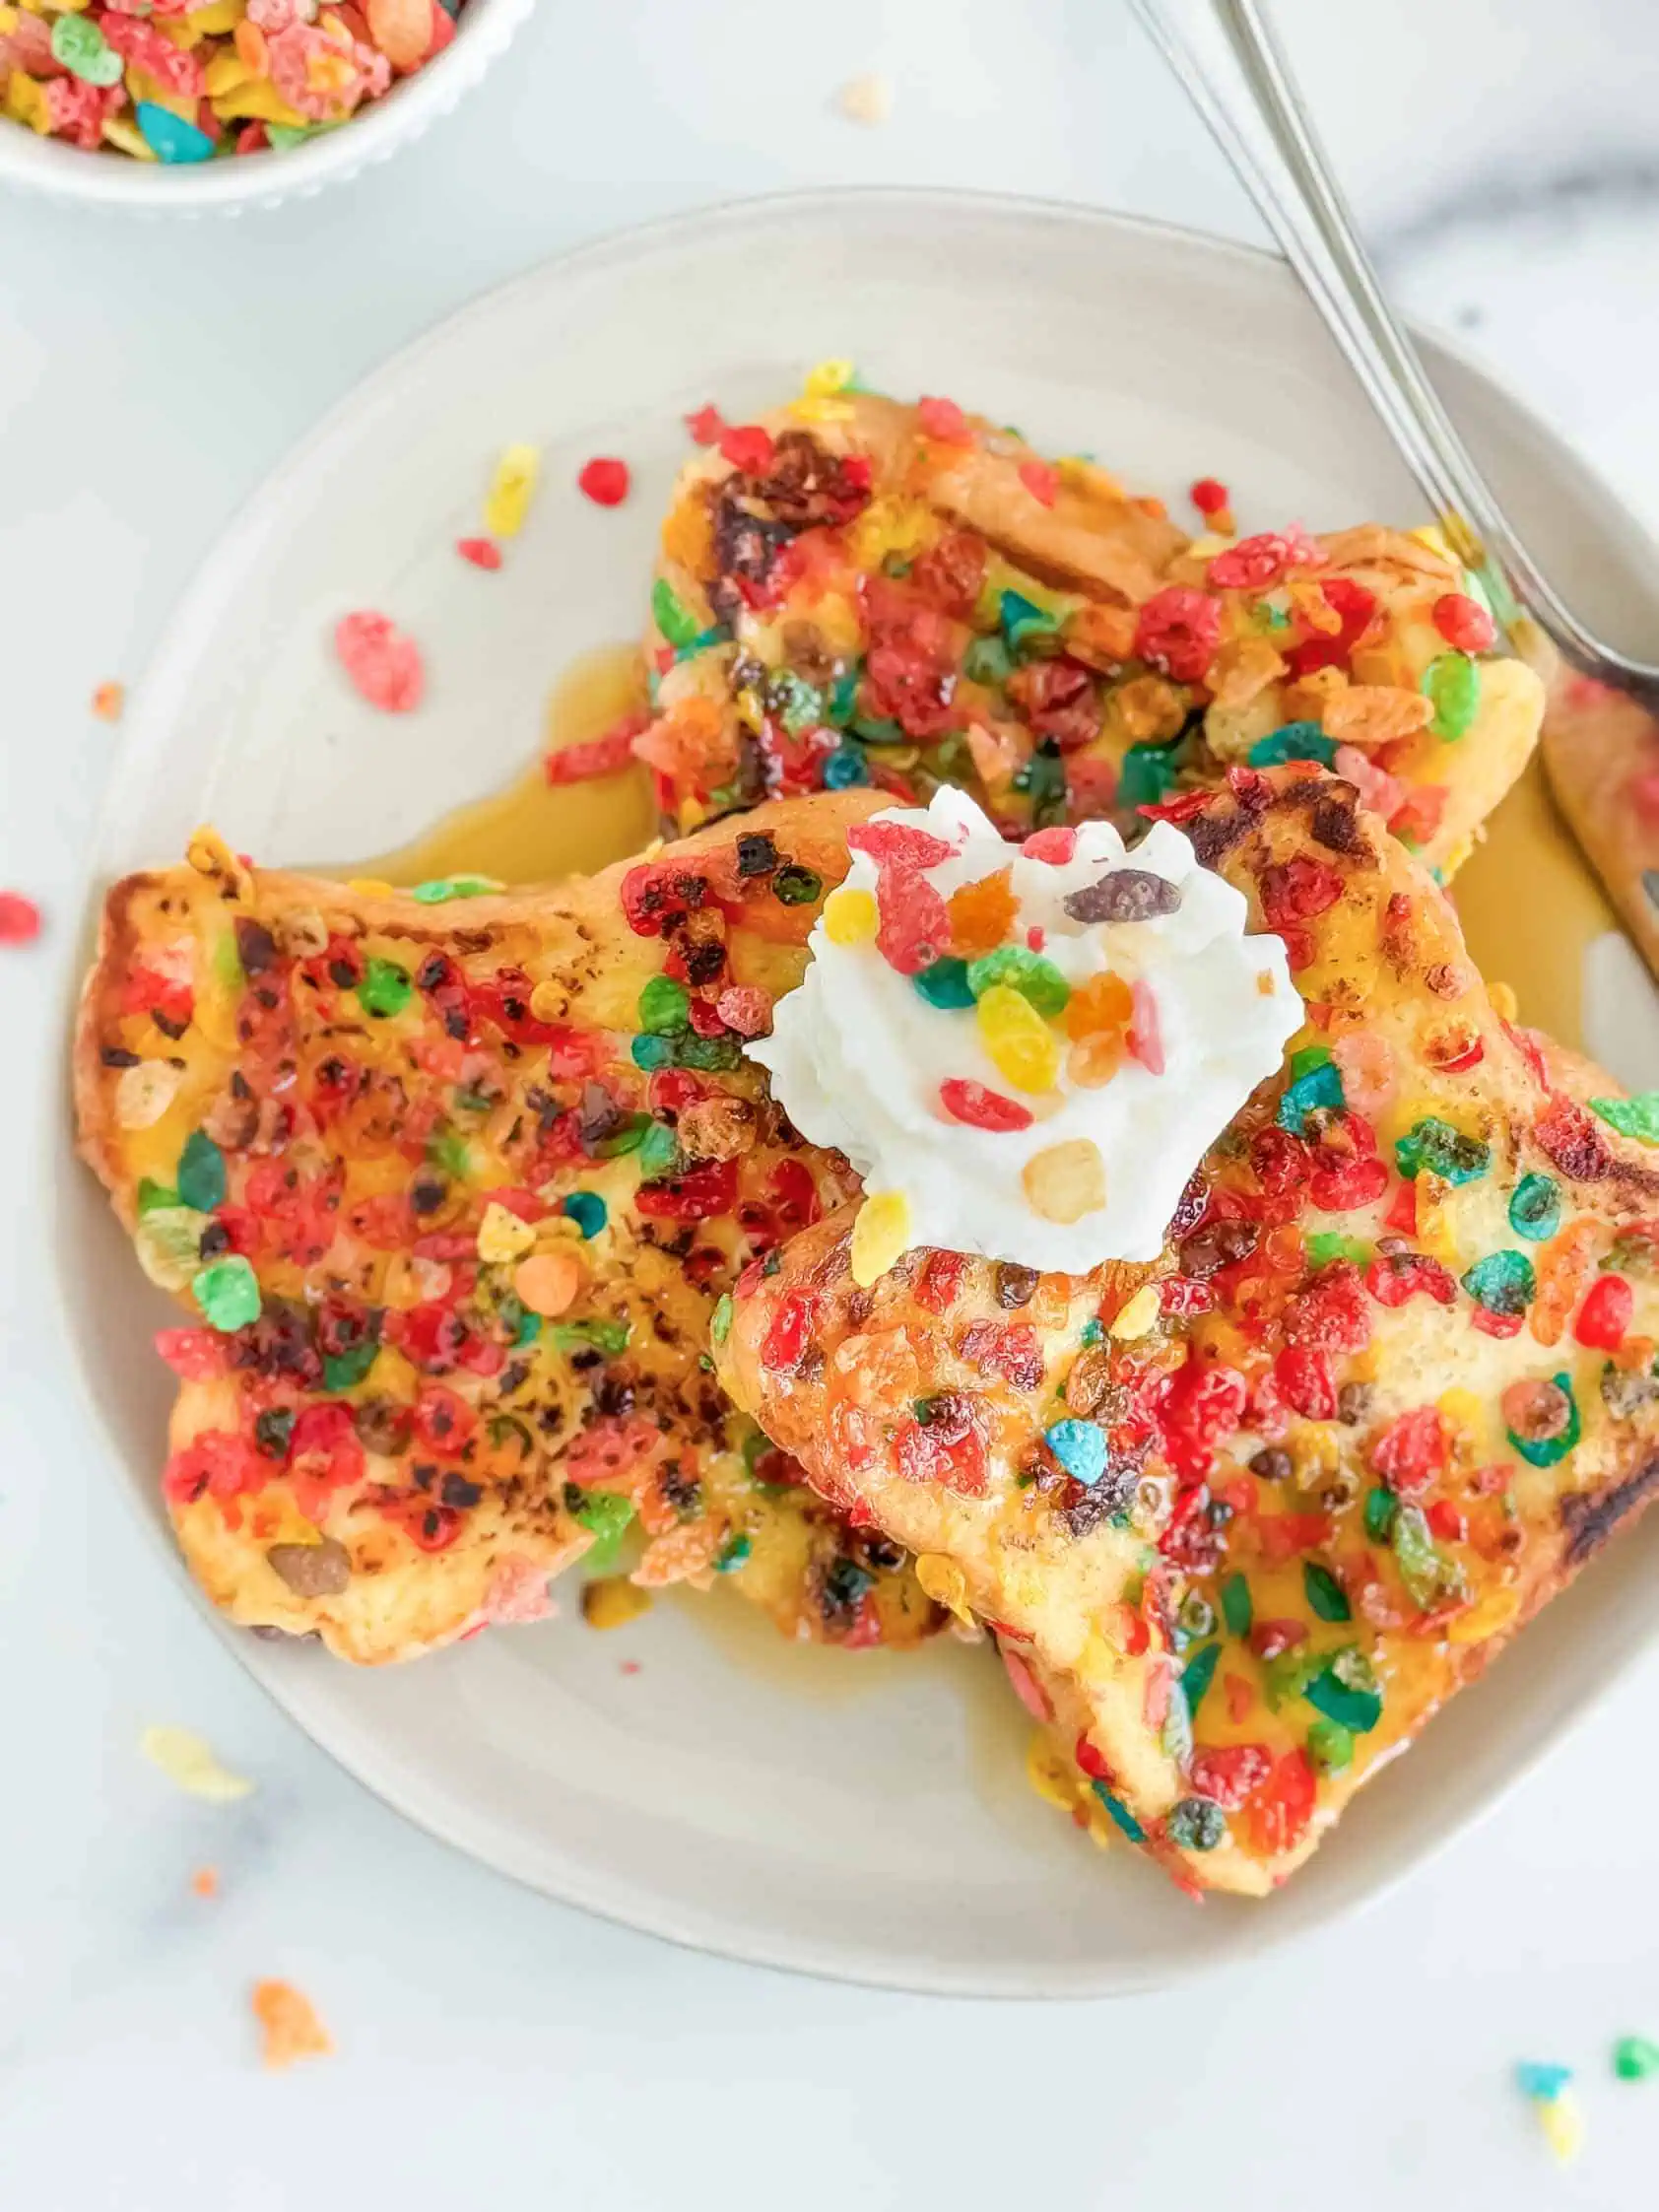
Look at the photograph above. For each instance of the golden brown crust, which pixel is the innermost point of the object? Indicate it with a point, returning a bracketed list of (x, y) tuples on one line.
[(1601, 750)]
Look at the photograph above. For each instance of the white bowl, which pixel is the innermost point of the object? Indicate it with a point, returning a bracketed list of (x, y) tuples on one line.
[(259, 181), (863, 1816)]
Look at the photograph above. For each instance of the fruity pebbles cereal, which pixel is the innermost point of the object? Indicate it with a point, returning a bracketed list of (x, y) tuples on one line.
[(161, 81)]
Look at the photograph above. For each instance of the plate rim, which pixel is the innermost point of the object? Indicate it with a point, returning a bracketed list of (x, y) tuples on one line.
[(196, 605)]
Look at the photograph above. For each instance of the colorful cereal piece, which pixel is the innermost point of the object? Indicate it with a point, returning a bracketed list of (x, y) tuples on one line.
[(879, 1235), (1022, 1047), (384, 666), (1066, 1181), (1080, 1448), (19, 918), (1636, 1117), (1636, 2058), (980, 1108), (850, 916), (512, 488), (483, 553), (168, 137), (290, 2028), (605, 480), (188, 1761), (401, 28), (228, 1294), (1453, 684), (1037, 980)]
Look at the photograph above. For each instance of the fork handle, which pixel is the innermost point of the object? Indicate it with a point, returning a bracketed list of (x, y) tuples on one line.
[(1238, 79)]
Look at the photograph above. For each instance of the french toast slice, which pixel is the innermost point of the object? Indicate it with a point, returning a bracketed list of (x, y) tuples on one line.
[(1389, 1385), (451, 1182), (854, 590)]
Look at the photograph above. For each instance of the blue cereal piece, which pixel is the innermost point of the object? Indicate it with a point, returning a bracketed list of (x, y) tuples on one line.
[(1080, 1448), (168, 137), (1540, 2081)]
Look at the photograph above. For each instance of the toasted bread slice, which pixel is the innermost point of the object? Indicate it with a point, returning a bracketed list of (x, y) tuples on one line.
[(453, 1188), (1388, 1387), (907, 596)]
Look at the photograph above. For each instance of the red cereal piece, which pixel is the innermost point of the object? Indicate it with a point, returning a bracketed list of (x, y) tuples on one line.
[(1145, 1036), (1605, 1316), (19, 918), (384, 666), (705, 426), (749, 450), (1411, 1450), (745, 1008), (1464, 623), (914, 927), (483, 553), (1354, 605), (980, 1108), (1211, 497), (1253, 563), (944, 420), (897, 845), (1178, 630), (152, 50), (1056, 845), (607, 754), (605, 480), (1042, 480)]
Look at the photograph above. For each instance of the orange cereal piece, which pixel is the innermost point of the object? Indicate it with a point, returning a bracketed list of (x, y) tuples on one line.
[(1098, 1007), (402, 29), (1095, 1060), (547, 1283), (1562, 1265), (109, 700), (205, 1882), (982, 916), (292, 2028)]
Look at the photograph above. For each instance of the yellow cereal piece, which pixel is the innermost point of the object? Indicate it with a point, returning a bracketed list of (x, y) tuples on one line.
[(1562, 2121), (507, 501), (371, 886), (612, 1601), (1049, 1773), (9, 21), (1493, 1611), (502, 1236), (890, 524), (142, 86), (217, 18), (849, 916), (26, 101), (825, 410), (692, 815), (1023, 1048), (1064, 1181), (257, 103), (946, 1584), (1138, 1315), (143, 1094), (225, 73), (827, 378), (1504, 1003), (881, 1234), (188, 1761)]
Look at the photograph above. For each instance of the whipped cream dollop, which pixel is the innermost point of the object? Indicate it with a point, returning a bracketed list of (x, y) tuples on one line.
[(1039, 1086)]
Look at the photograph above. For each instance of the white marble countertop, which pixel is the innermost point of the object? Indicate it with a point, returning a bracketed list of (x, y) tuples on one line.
[(492, 2046)]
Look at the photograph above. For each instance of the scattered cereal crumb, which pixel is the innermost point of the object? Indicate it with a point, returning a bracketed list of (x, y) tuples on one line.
[(612, 1601), (19, 918), (384, 666), (605, 480), (189, 1761), (1540, 2081), (483, 553), (866, 98), (512, 488), (108, 702), (205, 1882), (1634, 2058), (292, 2028), (1562, 2122), (631, 1666)]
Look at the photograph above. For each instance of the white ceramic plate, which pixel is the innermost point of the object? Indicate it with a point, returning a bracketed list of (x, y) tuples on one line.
[(857, 1817)]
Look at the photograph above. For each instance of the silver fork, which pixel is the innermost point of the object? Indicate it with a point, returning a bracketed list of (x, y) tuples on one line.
[(1235, 74)]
